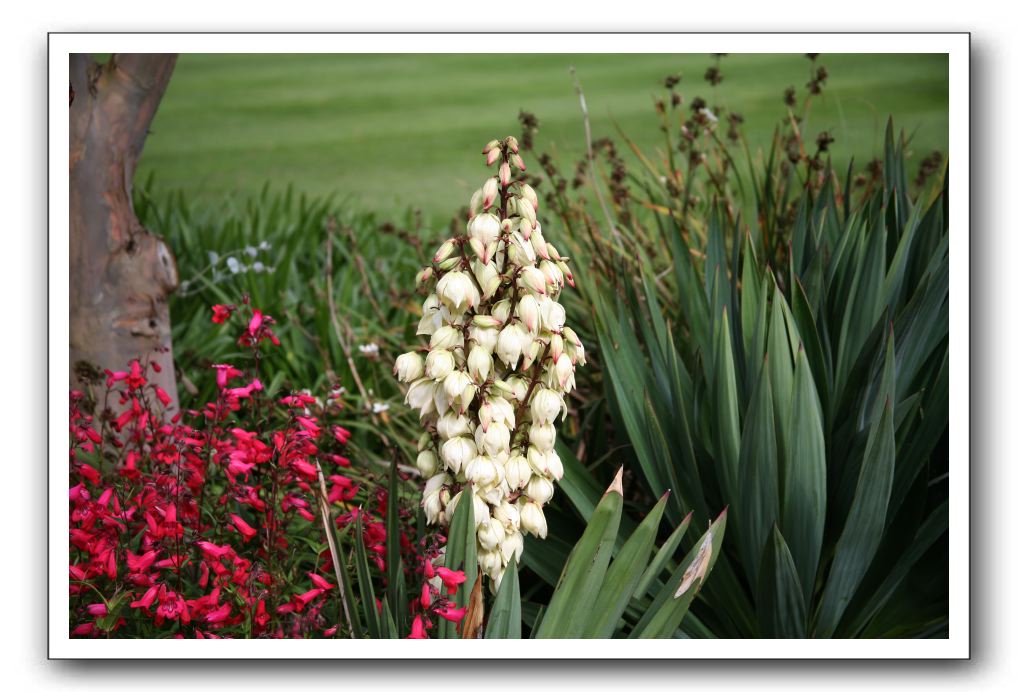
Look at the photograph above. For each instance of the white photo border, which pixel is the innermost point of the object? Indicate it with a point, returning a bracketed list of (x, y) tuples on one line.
[(955, 45)]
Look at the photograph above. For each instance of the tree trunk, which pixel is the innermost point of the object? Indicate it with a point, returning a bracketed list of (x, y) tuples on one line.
[(121, 273)]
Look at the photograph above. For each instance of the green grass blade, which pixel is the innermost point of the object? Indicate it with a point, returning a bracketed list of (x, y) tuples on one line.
[(623, 575), (780, 604), (569, 610), (505, 619), (804, 502)]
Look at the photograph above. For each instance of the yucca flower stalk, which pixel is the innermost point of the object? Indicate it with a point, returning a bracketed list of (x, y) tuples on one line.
[(492, 381)]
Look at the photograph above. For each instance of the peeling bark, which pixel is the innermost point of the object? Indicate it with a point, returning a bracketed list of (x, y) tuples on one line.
[(120, 272)]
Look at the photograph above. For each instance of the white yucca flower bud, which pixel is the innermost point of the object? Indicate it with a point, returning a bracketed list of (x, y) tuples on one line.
[(490, 562), (484, 338), (447, 337), (538, 243), (532, 521), (439, 363), (528, 194), (517, 472), (455, 383), (553, 315), (526, 210), (496, 439), (529, 313), (489, 191), (409, 367), (552, 274), (533, 279), (511, 342), (483, 230), (512, 546), (542, 437), (537, 460), (555, 347), (427, 463), (479, 364), (554, 465), (475, 202), (490, 534), (533, 352), (457, 452), (458, 291), (431, 318), (481, 470), (499, 363), (564, 373), (540, 489), (509, 514), (487, 277), (432, 506), (452, 424), (501, 311), (545, 405), (421, 395), (497, 409)]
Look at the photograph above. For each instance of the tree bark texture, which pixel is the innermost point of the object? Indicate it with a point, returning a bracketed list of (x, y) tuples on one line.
[(120, 273)]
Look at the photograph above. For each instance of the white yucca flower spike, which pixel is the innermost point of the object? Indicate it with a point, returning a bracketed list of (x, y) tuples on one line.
[(491, 383)]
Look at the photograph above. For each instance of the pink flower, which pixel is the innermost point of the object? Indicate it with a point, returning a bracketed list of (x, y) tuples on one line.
[(214, 551), (219, 614), (163, 396), (301, 600), (451, 579), (221, 313), (451, 614), (97, 609), (256, 321), (148, 599), (245, 529), (417, 630), (224, 373), (320, 581), (140, 563)]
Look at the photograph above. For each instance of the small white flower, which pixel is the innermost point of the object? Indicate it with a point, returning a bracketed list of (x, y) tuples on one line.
[(234, 265), (379, 407)]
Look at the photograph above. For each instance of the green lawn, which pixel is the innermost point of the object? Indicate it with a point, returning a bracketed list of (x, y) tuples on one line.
[(390, 131)]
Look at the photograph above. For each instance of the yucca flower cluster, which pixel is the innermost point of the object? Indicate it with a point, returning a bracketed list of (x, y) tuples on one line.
[(500, 360)]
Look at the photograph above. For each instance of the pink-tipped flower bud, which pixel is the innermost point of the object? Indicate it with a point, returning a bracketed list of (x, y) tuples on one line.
[(528, 194), (489, 191), (505, 175), (534, 279), (475, 202), (409, 367), (513, 144), (532, 520), (517, 162), (445, 251), (529, 313), (526, 210)]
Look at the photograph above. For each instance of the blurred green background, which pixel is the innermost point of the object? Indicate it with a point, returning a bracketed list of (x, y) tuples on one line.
[(387, 132)]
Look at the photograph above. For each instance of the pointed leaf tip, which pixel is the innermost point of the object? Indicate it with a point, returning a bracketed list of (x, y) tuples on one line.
[(616, 484)]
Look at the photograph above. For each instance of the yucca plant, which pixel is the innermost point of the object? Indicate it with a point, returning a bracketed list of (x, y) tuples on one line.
[(608, 573), (811, 398)]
